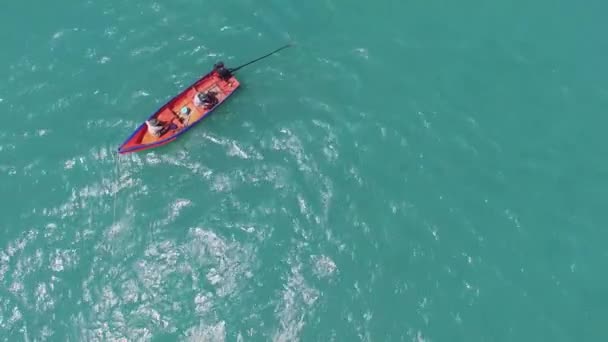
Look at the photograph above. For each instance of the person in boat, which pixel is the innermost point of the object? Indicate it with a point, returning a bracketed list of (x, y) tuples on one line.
[(156, 128), (184, 114), (207, 99), (222, 71)]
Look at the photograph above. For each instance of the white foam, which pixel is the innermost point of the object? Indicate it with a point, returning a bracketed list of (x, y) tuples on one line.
[(207, 333), (130, 291), (363, 52), (148, 49), (203, 302), (175, 209), (109, 32), (43, 300), (324, 266), (57, 264), (294, 147), (69, 164), (15, 317), (16, 287), (235, 150), (222, 183), (227, 261), (296, 301), (58, 34), (185, 37)]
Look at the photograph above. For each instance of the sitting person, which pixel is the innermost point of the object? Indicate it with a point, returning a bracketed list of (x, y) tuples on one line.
[(156, 127), (224, 73), (184, 114), (207, 99)]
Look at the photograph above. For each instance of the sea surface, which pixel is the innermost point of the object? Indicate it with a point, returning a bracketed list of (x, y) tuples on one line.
[(407, 171)]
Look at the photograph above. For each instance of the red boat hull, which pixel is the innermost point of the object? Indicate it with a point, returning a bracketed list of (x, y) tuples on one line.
[(170, 115)]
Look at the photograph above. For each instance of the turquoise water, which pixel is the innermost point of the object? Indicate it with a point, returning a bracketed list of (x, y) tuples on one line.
[(409, 171)]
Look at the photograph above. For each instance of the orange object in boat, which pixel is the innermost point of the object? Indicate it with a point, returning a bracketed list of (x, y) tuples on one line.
[(180, 113)]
